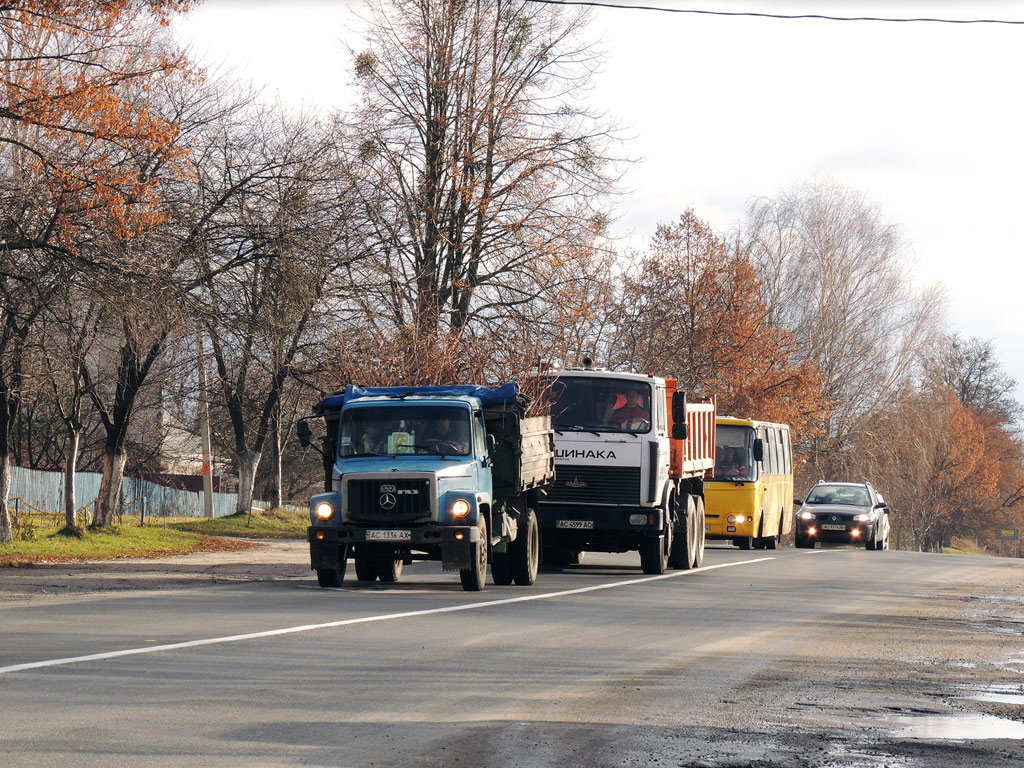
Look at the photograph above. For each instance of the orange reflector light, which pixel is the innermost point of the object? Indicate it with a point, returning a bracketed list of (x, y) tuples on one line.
[(320, 535), (460, 535)]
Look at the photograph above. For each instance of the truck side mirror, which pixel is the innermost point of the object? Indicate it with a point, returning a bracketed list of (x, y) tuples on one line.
[(679, 427), (491, 444), (759, 449), (304, 433), (679, 408)]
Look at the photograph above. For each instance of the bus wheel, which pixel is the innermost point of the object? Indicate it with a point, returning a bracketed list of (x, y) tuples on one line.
[(743, 542)]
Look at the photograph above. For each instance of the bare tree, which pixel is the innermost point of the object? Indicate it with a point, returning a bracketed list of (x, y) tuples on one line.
[(476, 158), (838, 276)]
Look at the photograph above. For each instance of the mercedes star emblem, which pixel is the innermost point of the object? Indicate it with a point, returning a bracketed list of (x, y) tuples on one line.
[(388, 501)]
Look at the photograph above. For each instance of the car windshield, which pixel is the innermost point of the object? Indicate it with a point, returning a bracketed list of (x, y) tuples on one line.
[(850, 495), (405, 429), (600, 405), (734, 459)]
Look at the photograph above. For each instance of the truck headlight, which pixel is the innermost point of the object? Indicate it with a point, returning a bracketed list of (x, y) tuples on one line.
[(324, 511), (460, 508)]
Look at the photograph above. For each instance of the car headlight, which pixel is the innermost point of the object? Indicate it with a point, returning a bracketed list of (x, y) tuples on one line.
[(324, 511), (460, 508), (805, 515), (861, 518)]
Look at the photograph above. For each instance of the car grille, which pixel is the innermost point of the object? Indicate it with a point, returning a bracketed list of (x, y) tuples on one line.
[(371, 500), (596, 485)]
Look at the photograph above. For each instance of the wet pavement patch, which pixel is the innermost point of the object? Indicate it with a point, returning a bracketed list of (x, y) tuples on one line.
[(958, 727)]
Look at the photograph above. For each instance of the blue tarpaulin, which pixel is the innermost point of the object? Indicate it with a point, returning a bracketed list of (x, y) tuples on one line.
[(488, 396)]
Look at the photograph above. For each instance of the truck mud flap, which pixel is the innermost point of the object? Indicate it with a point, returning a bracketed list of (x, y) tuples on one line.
[(326, 555), (457, 554)]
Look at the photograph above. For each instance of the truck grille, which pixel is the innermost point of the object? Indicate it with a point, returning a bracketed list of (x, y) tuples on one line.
[(596, 485), (388, 499)]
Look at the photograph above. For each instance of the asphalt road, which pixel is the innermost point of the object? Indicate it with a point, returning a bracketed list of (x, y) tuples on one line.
[(776, 658)]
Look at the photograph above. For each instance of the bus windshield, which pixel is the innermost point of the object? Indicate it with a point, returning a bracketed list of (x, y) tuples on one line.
[(408, 428), (734, 459), (600, 405)]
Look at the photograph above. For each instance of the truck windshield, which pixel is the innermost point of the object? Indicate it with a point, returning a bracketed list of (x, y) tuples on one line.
[(600, 405), (405, 429), (734, 459)]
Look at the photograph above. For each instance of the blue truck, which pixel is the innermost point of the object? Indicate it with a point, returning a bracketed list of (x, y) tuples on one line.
[(430, 473)]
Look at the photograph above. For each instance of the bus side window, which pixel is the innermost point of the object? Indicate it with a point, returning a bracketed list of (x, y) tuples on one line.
[(771, 467), (787, 451)]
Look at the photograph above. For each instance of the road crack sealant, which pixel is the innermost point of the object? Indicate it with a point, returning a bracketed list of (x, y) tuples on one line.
[(362, 620)]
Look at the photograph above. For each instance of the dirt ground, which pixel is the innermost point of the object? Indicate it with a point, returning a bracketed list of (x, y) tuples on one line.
[(268, 560)]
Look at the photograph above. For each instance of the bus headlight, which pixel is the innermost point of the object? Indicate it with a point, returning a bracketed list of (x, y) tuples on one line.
[(324, 511), (460, 508)]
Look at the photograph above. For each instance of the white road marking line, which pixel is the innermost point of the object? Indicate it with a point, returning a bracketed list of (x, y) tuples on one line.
[(363, 620)]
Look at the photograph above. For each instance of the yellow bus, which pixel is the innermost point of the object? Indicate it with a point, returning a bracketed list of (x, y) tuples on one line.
[(750, 498)]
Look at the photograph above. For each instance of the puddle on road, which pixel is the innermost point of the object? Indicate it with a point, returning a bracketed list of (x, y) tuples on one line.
[(958, 727), (997, 694)]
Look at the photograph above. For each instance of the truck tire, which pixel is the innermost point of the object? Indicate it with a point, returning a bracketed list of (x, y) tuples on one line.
[(474, 578), (679, 555), (389, 571), (366, 568), (330, 577), (698, 543), (501, 568), (654, 552), (525, 550)]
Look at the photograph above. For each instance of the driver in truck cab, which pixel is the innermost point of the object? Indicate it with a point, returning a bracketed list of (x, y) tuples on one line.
[(442, 432), (632, 409)]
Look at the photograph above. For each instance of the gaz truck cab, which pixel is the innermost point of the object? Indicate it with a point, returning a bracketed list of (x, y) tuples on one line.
[(430, 473)]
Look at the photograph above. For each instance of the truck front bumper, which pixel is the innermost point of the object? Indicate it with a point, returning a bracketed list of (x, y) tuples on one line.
[(454, 543)]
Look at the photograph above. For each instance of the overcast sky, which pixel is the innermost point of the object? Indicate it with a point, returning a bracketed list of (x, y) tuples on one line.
[(926, 119)]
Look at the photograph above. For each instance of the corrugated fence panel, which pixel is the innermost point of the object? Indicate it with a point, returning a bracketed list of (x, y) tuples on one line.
[(44, 491)]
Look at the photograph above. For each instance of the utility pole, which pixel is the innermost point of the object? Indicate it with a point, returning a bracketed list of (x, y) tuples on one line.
[(204, 428)]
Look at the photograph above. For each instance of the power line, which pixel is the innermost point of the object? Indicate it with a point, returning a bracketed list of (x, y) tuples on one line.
[(754, 14)]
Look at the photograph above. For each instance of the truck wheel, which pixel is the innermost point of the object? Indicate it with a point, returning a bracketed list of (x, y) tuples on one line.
[(366, 568), (329, 577), (501, 569), (332, 577), (679, 557), (698, 538), (526, 550), (654, 552), (389, 571), (474, 578)]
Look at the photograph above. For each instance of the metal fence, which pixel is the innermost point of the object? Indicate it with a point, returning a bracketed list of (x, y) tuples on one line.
[(44, 492)]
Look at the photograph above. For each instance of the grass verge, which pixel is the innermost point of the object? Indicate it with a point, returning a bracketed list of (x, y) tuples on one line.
[(39, 538), (126, 540), (265, 524)]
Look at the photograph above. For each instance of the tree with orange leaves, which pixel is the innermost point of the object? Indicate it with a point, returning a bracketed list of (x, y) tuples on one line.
[(74, 120), (693, 309)]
